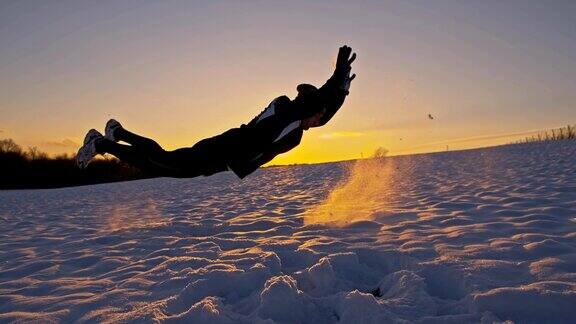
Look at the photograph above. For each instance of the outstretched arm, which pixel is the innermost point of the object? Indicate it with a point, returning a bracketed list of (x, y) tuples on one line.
[(311, 101)]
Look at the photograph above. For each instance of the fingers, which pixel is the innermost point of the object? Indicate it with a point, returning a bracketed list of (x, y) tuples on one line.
[(347, 51), (344, 56), (352, 58), (343, 64)]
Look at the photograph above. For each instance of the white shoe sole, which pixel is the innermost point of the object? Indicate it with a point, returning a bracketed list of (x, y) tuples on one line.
[(88, 151)]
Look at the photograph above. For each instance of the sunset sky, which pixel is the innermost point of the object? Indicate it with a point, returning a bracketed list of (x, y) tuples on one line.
[(180, 71)]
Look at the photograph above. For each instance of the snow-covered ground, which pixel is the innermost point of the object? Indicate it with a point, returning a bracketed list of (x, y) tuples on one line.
[(484, 235)]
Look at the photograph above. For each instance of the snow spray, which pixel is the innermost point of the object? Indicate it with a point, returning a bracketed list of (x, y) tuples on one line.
[(362, 195)]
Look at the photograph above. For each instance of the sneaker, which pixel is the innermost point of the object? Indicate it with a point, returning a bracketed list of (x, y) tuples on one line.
[(111, 126), (88, 151)]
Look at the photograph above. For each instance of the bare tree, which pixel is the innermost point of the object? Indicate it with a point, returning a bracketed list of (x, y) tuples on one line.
[(9, 146), (35, 154), (380, 153)]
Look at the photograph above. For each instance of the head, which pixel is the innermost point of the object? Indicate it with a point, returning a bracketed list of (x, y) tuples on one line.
[(305, 90)]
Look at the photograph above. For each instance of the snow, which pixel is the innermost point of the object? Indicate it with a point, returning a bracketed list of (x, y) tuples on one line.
[(478, 236)]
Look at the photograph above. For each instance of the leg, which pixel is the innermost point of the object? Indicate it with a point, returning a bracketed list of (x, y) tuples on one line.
[(138, 141), (181, 163), (206, 157), (133, 155), (210, 155)]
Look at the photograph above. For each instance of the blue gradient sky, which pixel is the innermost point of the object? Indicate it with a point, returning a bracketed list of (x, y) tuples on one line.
[(179, 71)]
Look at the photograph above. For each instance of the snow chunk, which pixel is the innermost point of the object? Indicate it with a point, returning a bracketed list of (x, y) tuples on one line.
[(282, 302), (209, 311), (404, 292), (357, 307), (336, 272)]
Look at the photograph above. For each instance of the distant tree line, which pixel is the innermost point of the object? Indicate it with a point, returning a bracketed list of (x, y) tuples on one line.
[(32, 168), (556, 134)]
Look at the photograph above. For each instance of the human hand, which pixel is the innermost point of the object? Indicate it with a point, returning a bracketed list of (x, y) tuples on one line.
[(343, 67)]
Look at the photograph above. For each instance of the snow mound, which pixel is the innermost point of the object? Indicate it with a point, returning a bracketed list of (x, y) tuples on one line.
[(540, 302)]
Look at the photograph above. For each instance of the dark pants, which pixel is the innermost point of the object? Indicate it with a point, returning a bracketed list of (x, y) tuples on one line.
[(206, 157)]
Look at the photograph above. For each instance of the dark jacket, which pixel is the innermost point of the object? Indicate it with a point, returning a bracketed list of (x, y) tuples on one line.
[(278, 128)]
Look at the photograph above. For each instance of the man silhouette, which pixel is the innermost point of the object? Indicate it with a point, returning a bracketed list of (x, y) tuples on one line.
[(277, 129)]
